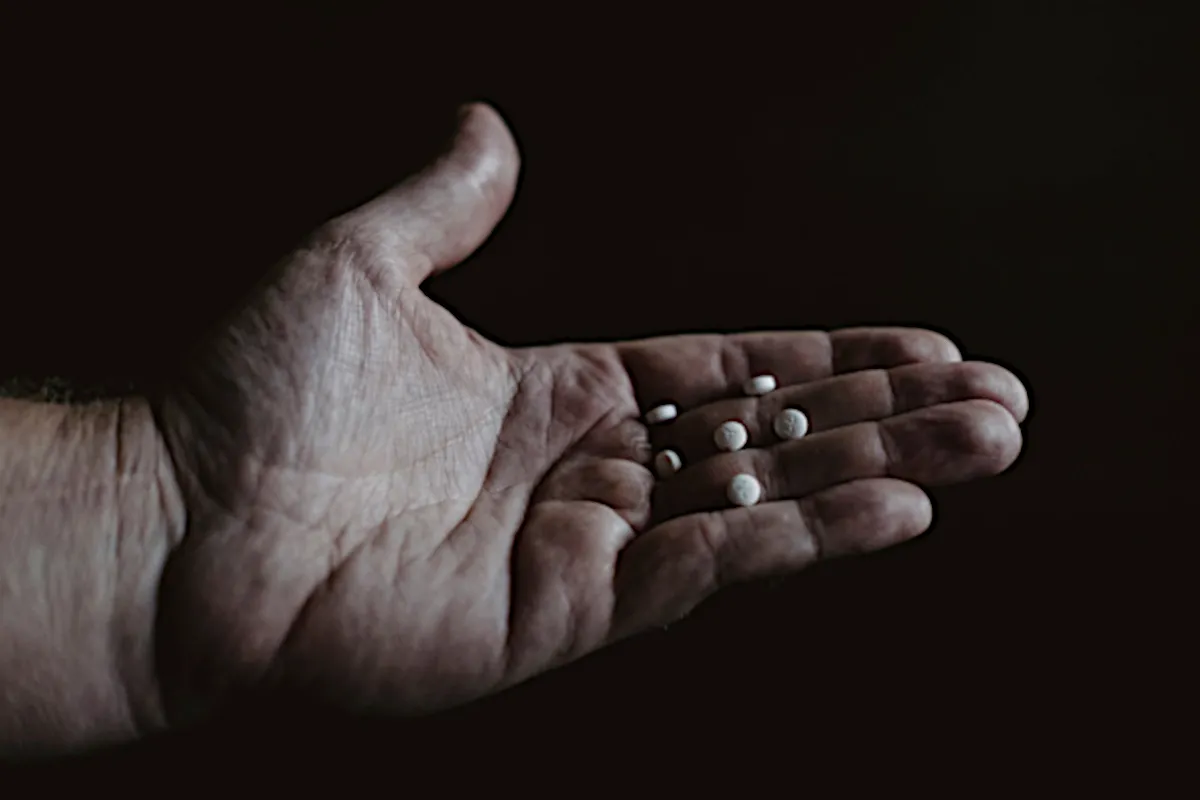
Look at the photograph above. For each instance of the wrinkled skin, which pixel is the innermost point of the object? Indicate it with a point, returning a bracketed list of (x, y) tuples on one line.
[(387, 510)]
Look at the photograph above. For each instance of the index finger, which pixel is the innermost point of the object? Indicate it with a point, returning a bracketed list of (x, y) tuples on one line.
[(692, 369)]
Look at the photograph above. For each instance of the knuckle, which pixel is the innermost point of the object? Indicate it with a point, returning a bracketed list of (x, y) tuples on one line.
[(886, 390), (344, 239), (623, 485), (767, 470), (335, 233), (710, 534), (813, 515), (633, 442), (885, 443)]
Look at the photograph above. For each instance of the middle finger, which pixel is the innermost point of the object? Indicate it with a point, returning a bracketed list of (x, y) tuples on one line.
[(830, 403)]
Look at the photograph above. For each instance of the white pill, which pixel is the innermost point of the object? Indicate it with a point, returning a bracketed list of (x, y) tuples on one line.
[(731, 436), (663, 413), (744, 490), (759, 384), (791, 423), (667, 463)]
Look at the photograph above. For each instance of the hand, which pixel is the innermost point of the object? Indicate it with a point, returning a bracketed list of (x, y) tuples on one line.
[(387, 510)]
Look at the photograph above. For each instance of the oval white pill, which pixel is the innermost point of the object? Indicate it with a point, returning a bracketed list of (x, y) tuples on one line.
[(759, 384), (667, 463), (791, 423), (731, 436), (663, 413), (744, 490)]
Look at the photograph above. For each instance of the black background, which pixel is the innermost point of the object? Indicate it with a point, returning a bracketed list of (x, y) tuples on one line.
[(1009, 173)]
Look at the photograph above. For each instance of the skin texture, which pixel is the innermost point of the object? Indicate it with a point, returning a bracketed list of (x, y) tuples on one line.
[(390, 511), (89, 511), (386, 511)]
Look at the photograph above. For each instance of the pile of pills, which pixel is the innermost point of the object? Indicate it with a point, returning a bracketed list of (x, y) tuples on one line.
[(731, 436)]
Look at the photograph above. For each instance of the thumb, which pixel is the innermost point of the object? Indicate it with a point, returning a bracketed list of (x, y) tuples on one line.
[(439, 216)]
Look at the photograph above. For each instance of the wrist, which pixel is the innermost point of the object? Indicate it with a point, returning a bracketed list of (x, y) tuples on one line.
[(89, 512), (152, 519)]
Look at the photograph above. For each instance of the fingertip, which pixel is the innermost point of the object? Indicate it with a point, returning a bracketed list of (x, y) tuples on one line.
[(905, 508), (1012, 394), (998, 436), (854, 349), (989, 381), (922, 512), (1024, 394), (951, 443), (476, 107), (868, 515), (1009, 390), (1022, 401), (487, 136), (926, 346), (939, 347)]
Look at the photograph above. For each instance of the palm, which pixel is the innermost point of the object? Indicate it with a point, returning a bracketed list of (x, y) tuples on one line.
[(386, 509)]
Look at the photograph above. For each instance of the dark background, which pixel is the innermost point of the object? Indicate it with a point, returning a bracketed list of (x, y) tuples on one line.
[(1009, 173)]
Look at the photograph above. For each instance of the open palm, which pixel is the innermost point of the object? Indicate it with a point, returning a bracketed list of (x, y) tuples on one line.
[(387, 510)]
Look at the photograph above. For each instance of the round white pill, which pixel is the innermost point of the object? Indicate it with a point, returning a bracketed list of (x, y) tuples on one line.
[(731, 436), (744, 490), (663, 413), (667, 463), (759, 384), (791, 423)]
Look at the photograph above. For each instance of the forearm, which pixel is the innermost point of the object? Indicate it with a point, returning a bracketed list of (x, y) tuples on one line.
[(89, 512)]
